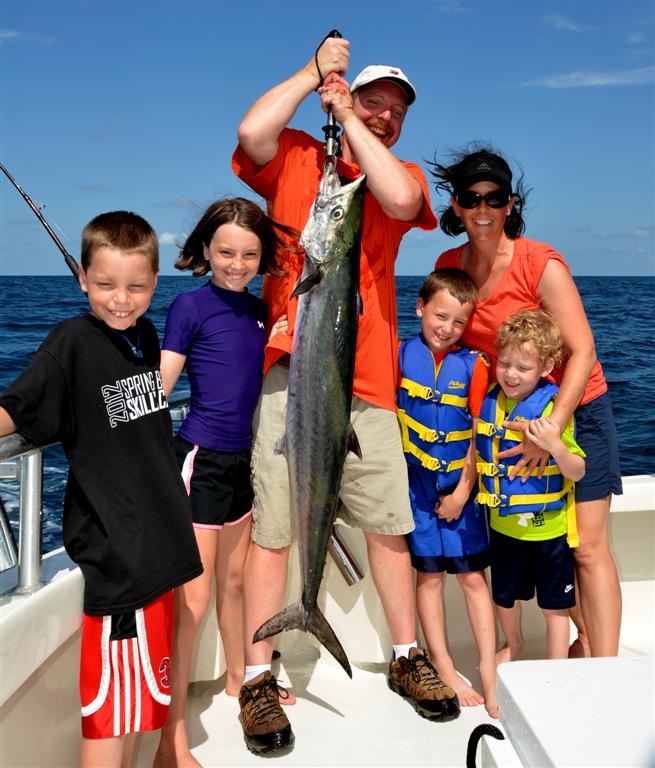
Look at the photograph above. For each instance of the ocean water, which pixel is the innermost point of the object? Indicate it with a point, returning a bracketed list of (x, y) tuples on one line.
[(620, 310)]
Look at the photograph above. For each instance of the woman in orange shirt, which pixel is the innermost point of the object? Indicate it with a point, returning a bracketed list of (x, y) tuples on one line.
[(513, 273)]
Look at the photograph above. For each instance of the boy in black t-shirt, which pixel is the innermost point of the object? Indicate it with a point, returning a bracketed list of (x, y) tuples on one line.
[(95, 385)]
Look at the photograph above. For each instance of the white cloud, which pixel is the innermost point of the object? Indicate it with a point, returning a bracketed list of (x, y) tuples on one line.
[(561, 22), (450, 7), (639, 233), (636, 76), (7, 35), (167, 238)]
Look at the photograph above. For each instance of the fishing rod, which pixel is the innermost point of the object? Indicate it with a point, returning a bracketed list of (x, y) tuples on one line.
[(70, 261)]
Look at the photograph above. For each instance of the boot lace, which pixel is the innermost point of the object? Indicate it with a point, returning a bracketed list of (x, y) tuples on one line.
[(424, 674), (265, 699)]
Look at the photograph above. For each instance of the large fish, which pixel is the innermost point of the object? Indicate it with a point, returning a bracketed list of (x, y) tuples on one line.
[(318, 430)]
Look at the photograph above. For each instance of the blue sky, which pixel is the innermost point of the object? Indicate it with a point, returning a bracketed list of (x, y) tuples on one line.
[(135, 105)]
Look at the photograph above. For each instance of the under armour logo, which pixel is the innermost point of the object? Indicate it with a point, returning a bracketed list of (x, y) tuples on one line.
[(260, 324)]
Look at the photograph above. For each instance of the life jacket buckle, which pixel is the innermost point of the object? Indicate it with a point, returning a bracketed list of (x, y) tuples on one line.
[(440, 437)]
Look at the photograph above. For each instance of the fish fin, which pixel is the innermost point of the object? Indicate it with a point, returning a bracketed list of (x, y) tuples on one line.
[(302, 286), (280, 447), (353, 442), (295, 617)]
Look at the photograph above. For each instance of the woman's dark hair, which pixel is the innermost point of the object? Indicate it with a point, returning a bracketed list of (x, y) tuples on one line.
[(244, 213), (450, 179)]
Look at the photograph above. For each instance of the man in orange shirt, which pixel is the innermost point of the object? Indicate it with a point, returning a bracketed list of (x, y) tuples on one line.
[(284, 166)]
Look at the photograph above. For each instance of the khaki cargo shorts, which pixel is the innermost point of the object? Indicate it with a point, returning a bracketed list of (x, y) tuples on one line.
[(374, 488)]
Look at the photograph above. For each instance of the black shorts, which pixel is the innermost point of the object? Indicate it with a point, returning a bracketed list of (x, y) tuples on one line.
[(595, 433), (520, 567), (218, 484)]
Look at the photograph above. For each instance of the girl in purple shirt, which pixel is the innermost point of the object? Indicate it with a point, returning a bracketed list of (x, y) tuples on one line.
[(218, 333)]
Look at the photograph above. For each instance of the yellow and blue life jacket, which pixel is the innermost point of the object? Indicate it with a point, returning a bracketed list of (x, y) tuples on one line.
[(552, 492), (432, 406)]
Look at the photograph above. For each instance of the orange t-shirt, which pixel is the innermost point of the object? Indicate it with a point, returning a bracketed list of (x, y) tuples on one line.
[(516, 290), (289, 184)]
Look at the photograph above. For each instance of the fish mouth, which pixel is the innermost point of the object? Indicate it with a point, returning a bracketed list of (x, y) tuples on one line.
[(330, 187)]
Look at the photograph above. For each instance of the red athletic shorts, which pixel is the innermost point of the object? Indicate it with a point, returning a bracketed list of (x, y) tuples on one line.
[(125, 670)]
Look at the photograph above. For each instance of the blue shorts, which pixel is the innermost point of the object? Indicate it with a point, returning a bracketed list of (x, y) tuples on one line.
[(434, 538), (519, 568), (596, 435), (465, 564)]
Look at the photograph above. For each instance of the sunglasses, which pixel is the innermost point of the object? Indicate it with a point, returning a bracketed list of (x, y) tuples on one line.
[(498, 198)]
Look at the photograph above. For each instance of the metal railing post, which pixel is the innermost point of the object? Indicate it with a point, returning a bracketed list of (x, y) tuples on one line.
[(29, 534)]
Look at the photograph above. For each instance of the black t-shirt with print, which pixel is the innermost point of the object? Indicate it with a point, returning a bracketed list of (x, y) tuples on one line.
[(127, 520)]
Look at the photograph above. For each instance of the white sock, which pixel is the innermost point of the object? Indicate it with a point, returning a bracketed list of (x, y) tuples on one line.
[(403, 650), (252, 672)]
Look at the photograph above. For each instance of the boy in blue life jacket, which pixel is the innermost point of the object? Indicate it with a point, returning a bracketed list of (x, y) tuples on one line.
[(441, 391), (532, 520)]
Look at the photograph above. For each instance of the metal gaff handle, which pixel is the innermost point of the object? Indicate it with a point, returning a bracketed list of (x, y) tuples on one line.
[(331, 129)]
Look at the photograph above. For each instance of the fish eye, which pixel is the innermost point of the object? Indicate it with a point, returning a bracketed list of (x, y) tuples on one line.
[(337, 213)]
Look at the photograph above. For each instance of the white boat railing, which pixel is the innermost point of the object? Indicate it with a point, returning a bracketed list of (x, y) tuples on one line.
[(20, 461)]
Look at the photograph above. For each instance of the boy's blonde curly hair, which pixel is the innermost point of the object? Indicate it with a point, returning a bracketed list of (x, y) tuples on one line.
[(534, 326)]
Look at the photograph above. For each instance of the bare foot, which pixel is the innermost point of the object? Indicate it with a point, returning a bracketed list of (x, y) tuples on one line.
[(288, 698), (467, 695), (579, 649), (488, 678), (492, 708), (507, 654), (167, 756)]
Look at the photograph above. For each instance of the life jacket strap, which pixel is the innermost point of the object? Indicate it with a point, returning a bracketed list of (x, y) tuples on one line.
[(520, 499), (414, 389), (491, 430), (502, 470), (429, 462), (572, 536), (430, 435)]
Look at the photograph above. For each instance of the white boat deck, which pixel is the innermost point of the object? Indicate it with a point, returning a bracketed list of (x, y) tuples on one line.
[(336, 722), (359, 722)]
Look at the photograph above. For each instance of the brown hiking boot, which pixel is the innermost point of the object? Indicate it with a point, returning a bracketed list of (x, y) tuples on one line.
[(416, 679), (265, 726)]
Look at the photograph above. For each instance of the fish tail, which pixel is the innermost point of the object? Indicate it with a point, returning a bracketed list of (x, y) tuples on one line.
[(296, 617), (323, 632)]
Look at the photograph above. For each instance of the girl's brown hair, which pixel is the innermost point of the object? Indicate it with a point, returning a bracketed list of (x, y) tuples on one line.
[(244, 213)]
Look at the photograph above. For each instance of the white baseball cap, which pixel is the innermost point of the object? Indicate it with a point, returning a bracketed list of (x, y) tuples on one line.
[(382, 72)]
